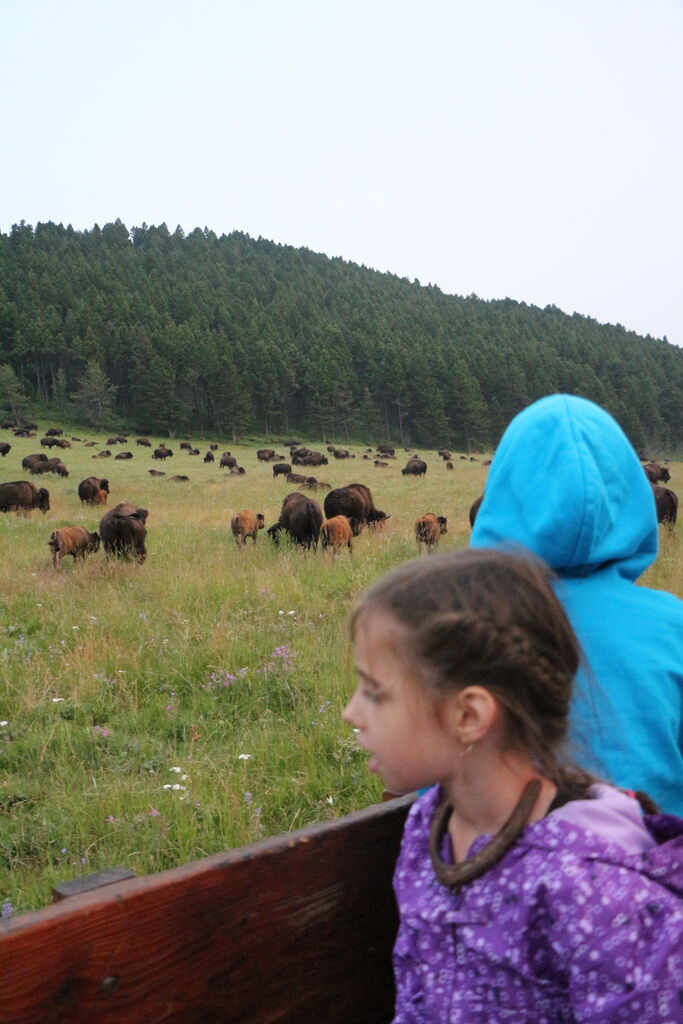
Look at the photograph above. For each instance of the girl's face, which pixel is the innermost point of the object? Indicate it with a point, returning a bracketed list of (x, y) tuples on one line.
[(396, 718)]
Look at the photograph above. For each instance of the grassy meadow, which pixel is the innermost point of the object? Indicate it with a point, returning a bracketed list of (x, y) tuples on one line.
[(154, 714)]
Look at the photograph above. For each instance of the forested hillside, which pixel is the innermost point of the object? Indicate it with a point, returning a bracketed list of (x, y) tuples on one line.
[(174, 332)]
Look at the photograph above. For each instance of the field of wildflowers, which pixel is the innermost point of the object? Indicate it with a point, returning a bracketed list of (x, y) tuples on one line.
[(154, 714)]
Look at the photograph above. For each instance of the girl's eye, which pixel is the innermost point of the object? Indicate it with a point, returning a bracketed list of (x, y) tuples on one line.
[(372, 695)]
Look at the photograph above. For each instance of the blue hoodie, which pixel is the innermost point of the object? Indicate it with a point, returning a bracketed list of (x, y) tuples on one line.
[(566, 484)]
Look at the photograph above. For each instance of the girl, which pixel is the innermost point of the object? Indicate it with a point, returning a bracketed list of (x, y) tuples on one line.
[(526, 890)]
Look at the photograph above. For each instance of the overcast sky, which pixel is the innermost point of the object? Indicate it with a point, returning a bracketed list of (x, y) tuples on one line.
[(530, 149)]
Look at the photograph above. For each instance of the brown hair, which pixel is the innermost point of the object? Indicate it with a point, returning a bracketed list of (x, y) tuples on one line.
[(491, 618)]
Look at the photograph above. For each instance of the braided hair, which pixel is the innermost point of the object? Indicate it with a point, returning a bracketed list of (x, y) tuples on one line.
[(491, 618)]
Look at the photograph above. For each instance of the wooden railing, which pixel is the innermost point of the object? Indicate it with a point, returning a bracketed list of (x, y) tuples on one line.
[(296, 929)]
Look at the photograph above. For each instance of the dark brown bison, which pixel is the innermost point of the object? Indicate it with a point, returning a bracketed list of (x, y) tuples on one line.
[(301, 518), (246, 524), (355, 502), (162, 452), (265, 454), (123, 532), (144, 442), (209, 457), (340, 453), (156, 472), (654, 472), (54, 432), (444, 453), (228, 461), (186, 446), (72, 540), (123, 455), (449, 465), (104, 454), (310, 459), (237, 471), (414, 467), (30, 460), (89, 488), (386, 449), (474, 508), (5, 448), (23, 496), (179, 479), (50, 466), (428, 530), (666, 503), (336, 533), (281, 469)]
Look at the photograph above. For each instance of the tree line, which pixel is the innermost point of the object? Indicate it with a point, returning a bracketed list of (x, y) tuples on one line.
[(172, 332)]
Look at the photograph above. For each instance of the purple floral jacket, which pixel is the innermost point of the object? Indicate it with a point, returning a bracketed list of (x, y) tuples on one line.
[(582, 920)]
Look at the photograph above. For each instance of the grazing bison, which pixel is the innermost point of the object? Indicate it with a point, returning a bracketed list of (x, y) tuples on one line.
[(50, 466), (246, 524), (654, 472), (281, 469), (340, 453), (301, 518), (30, 460), (89, 488), (123, 532), (386, 449), (144, 442), (213, 447), (5, 448), (666, 503), (123, 455), (335, 533), (449, 465), (414, 467), (428, 529), (185, 446), (474, 508), (72, 540), (54, 432), (310, 459), (444, 453), (162, 452), (228, 461), (23, 496), (355, 502), (265, 454), (209, 457)]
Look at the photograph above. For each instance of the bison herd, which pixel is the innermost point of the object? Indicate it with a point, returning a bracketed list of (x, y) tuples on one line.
[(345, 513)]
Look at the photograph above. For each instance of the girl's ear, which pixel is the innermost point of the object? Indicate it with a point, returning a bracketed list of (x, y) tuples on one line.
[(470, 714)]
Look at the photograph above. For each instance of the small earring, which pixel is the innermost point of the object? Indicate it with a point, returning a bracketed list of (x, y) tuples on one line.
[(466, 749)]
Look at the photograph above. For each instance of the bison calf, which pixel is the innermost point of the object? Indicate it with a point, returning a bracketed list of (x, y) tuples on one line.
[(335, 533), (428, 529), (72, 540), (246, 524)]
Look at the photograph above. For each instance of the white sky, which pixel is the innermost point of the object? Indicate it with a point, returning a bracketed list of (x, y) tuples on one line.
[(522, 148)]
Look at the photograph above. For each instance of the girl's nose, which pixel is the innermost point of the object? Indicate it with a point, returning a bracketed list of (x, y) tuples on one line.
[(349, 712)]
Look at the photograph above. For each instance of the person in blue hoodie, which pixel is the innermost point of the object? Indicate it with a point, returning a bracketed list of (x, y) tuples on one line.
[(566, 483)]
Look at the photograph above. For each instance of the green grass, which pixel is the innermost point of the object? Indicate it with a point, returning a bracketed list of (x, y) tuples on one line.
[(112, 674)]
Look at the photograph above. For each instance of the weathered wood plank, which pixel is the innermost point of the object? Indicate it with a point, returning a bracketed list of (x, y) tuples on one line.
[(296, 929), (64, 890)]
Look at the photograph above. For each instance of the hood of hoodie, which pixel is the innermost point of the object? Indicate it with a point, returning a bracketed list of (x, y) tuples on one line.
[(566, 483)]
